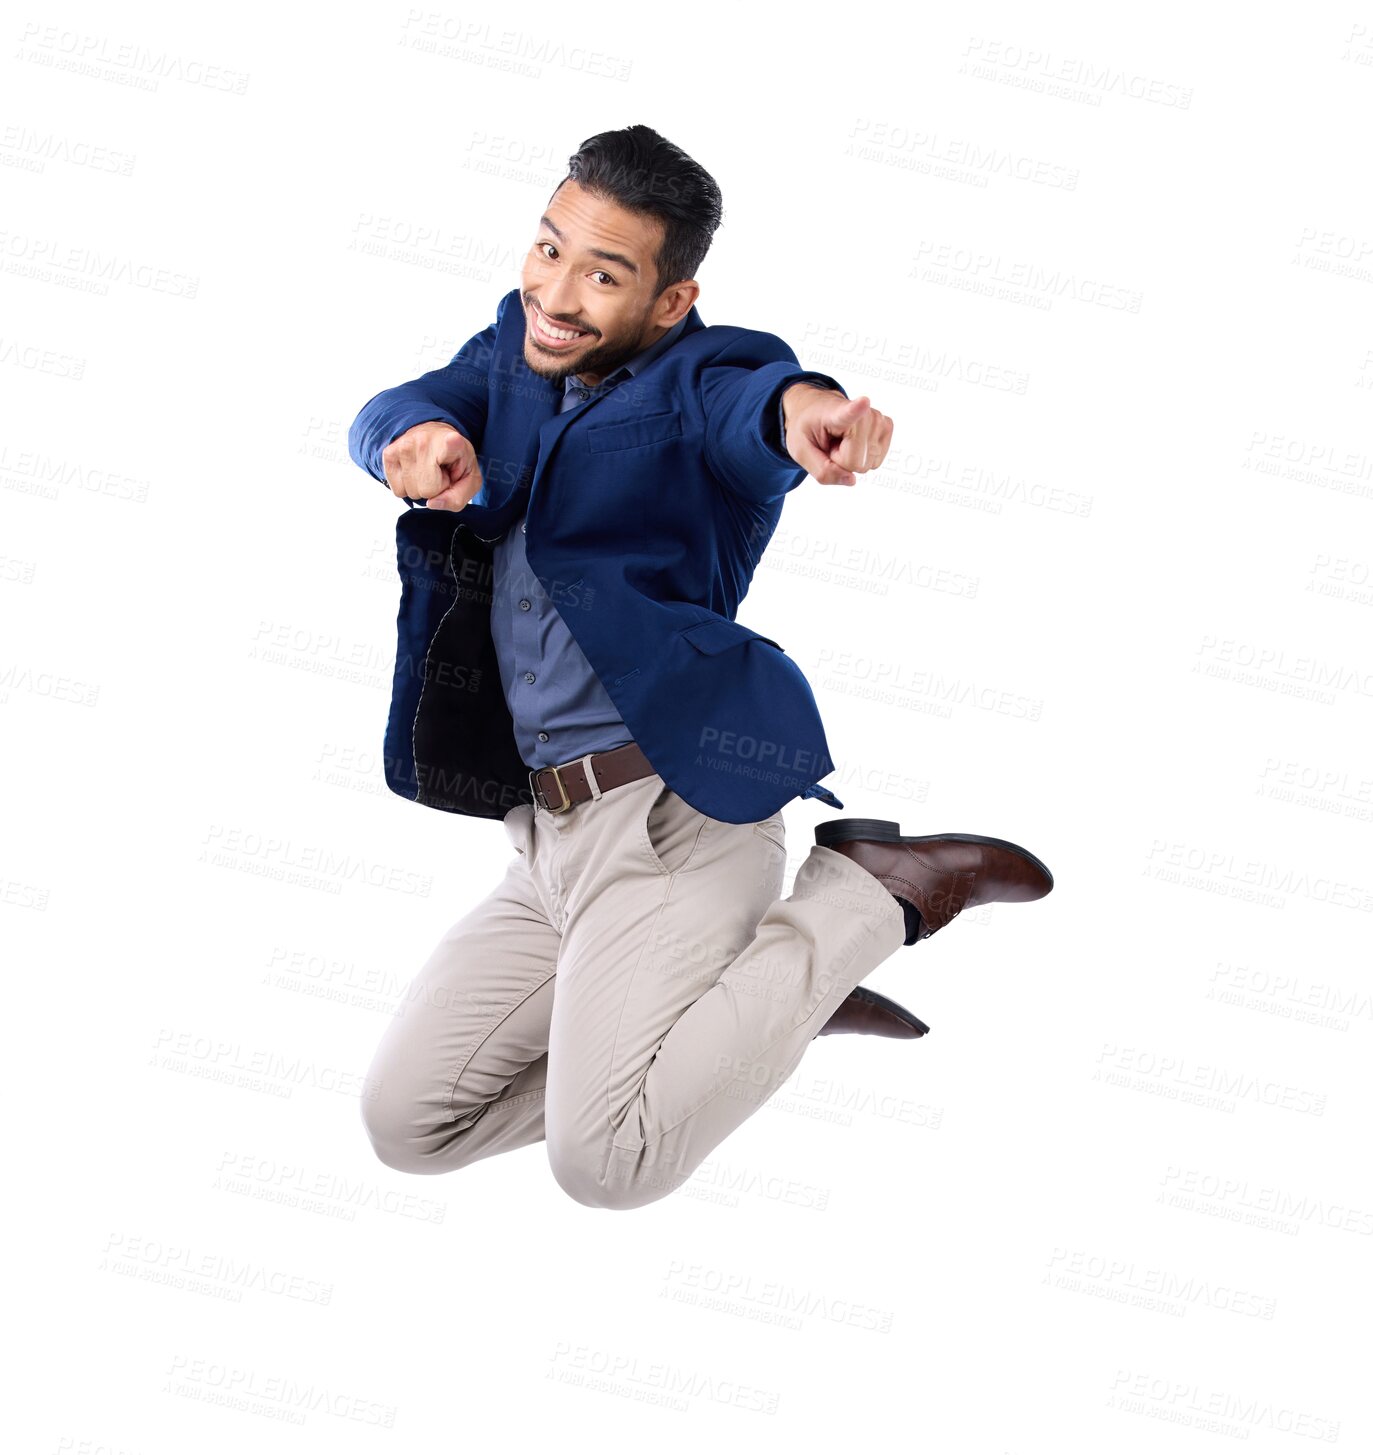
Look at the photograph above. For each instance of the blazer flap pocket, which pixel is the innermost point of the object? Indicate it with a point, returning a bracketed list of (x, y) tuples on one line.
[(642, 429), (718, 634)]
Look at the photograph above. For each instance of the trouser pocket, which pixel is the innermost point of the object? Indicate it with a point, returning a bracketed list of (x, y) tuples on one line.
[(516, 824), (671, 830), (772, 830)]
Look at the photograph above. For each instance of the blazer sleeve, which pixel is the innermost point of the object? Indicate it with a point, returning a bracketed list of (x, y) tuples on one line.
[(744, 447), (455, 394)]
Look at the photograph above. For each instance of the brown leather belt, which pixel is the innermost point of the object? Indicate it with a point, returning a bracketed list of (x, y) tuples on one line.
[(563, 785)]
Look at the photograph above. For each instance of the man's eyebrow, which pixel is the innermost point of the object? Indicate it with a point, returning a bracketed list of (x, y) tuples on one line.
[(595, 252)]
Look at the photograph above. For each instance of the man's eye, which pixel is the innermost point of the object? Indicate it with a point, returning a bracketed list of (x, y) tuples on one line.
[(606, 276), (545, 245)]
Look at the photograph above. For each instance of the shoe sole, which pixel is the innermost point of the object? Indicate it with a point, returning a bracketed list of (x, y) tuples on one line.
[(885, 831)]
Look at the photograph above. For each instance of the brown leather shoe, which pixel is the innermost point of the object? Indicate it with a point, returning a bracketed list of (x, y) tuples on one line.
[(941, 875), (866, 1013)]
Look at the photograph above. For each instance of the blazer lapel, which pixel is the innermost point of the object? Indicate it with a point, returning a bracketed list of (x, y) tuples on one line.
[(536, 406)]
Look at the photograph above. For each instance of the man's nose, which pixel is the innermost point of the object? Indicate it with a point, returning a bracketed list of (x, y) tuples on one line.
[(559, 300)]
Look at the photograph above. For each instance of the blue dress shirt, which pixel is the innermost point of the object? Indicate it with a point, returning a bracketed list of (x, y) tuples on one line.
[(559, 707)]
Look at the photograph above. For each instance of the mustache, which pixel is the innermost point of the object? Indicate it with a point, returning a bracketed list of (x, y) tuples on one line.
[(561, 322)]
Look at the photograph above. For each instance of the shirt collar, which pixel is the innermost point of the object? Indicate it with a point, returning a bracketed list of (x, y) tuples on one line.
[(573, 385)]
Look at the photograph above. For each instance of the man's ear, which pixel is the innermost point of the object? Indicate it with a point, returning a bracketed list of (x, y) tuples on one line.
[(677, 302)]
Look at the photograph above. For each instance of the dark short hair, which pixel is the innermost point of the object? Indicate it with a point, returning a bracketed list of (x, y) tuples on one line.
[(644, 173)]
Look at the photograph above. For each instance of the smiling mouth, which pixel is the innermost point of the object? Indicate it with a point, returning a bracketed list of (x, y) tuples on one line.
[(553, 335)]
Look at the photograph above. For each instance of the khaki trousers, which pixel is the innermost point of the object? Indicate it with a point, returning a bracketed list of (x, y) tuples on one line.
[(631, 991)]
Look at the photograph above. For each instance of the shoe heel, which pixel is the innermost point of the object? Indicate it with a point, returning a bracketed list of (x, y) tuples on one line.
[(841, 830)]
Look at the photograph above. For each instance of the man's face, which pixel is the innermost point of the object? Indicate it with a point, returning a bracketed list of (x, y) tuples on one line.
[(591, 274)]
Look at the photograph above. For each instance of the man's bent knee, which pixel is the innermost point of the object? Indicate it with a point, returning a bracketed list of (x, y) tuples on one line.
[(630, 1180), (400, 1144)]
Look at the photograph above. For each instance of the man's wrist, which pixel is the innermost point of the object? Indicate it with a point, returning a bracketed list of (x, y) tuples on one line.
[(774, 422), (796, 394)]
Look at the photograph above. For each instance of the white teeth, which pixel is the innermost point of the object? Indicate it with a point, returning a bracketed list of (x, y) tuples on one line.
[(551, 331)]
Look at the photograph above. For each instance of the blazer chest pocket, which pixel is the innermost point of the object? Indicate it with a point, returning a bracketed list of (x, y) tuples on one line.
[(630, 434), (719, 634)]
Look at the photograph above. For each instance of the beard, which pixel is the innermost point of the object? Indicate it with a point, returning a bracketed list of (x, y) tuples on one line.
[(601, 359)]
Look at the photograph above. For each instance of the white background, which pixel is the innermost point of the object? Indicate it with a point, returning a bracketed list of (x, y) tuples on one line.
[(1110, 597)]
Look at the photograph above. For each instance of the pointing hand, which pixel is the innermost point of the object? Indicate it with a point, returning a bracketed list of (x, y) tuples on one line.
[(834, 439)]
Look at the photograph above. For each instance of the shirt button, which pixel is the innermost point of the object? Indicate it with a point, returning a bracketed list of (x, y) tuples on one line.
[(521, 527), (524, 603), (543, 737), (528, 676)]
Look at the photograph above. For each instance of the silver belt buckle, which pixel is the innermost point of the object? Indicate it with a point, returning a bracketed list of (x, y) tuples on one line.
[(540, 798)]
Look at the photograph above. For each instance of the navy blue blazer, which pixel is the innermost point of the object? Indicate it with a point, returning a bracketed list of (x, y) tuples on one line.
[(648, 508)]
